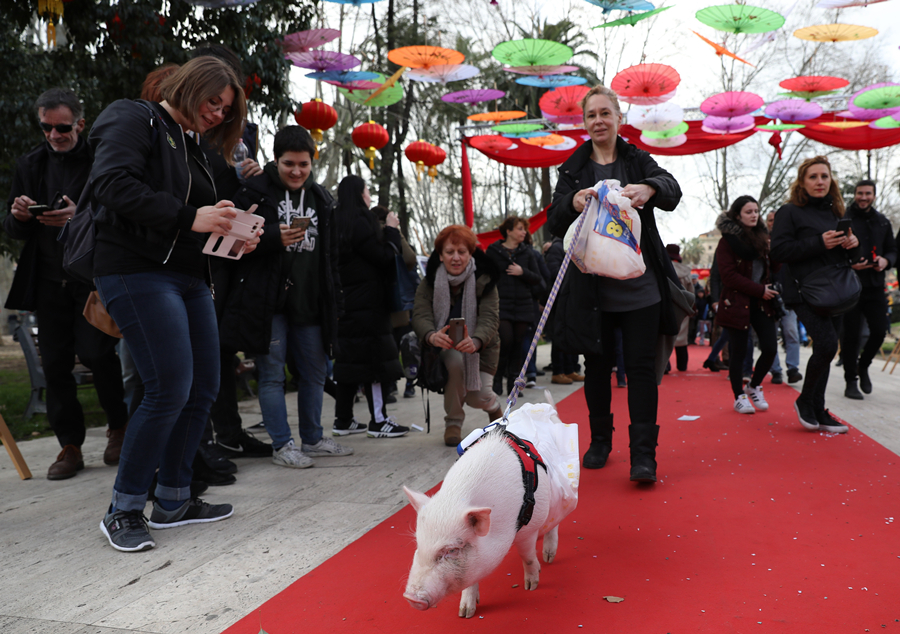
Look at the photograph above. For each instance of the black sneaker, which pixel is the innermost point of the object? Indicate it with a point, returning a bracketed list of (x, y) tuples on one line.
[(828, 422), (777, 378), (209, 476), (386, 429), (851, 391), (244, 446), (258, 428), (127, 531), (345, 428), (807, 414), (794, 375), (865, 383), (194, 511), (410, 391), (215, 458)]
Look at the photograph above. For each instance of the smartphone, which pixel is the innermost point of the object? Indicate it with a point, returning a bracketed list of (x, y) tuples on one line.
[(844, 225), (300, 222), (37, 210), (457, 329)]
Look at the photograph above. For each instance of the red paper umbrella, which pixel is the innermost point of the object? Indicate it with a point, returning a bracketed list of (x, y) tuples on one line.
[(563, 101), (491, 143), (370, 137), (813, 83), (645, 80), (731, 104)]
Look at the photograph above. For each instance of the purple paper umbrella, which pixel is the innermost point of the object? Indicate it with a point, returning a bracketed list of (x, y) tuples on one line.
[(728, 125), (321, 61), (731, 104), (865, 114), (472, 96), (793, 110), (303, 41), (569, 119)]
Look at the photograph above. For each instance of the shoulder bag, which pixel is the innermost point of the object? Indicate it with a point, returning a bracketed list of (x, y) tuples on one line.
[(831, 290)]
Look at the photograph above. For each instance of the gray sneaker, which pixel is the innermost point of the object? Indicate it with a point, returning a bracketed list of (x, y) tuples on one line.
[(194, 511), (127, 531), (291, 456), (326, 447)]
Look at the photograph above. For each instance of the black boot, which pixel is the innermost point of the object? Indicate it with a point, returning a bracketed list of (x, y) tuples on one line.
[(643, 452), (601, 442), (852, 391), (865, 383)]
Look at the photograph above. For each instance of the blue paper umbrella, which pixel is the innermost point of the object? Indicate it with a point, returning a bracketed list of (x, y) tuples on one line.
[(622, 5), (551, 81), (343, 76)]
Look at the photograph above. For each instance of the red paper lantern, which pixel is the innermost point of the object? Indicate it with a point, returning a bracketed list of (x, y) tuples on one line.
[(316, 117), (370, 137), (419, 153), (438, 156)]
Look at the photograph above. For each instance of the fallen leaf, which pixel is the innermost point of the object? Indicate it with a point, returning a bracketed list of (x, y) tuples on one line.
[(614, 599)]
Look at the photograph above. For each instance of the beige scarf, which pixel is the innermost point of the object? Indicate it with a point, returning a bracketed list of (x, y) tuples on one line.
[(441, 306)]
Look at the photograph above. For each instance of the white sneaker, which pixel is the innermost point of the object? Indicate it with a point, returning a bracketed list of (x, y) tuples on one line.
[(530, 383), (291, 456), (327, 447), (756, 397), (742, 405)]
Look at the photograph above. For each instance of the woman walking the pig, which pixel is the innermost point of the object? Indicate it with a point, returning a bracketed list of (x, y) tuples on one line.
[(589, 307)]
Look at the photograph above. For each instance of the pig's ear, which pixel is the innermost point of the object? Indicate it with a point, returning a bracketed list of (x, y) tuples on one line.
[(418, 500), (479, 520)]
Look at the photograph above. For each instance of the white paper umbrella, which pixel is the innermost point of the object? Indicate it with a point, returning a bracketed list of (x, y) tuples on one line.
[(567, 144), (443, 73), (656, 118), (648, 101), (673, 141)]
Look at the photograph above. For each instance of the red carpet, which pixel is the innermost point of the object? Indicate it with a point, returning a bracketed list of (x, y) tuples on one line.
[(756, 525)]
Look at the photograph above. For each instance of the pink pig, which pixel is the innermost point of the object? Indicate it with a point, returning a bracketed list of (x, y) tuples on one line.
[(466, 529)]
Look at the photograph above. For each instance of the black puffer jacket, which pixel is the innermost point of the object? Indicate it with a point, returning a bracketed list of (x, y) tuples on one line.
[(518, 293), (577, 308), (257, 283), (876, 238), (366, 349)]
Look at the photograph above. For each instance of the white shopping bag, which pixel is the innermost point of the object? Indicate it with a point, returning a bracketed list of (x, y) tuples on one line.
[(558, 445), (609, 243)]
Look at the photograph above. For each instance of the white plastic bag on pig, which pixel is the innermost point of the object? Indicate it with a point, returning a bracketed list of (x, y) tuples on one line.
[(557, 443), (609, 243)]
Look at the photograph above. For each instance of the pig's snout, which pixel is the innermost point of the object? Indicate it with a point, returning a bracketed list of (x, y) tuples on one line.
[(417, 601)]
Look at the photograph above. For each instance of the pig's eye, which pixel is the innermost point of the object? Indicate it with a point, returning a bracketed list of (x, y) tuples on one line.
[(450, 553)]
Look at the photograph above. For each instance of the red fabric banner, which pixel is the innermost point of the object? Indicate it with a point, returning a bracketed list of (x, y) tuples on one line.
[(534, 223), (468, 207), (861, 138)]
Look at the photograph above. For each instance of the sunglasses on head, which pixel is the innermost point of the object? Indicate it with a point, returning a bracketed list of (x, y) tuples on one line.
[(62, 128)]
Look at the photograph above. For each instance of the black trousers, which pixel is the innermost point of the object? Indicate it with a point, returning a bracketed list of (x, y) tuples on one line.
[(512, 334), (639, 338), (767, 333), (562, 362), (824, 334), (224, 416), (874, 311), (63, 332), (346, 393)]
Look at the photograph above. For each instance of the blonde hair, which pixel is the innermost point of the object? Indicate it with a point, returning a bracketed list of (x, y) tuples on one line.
[(799, 195), (600, 89), (195, 83)]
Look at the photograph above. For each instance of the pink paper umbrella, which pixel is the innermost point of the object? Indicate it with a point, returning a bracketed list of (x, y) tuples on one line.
[(866, 114), (569, 119), (303, 41), (472, 96), (793, 110), (728, 125), (731, 104), (320, 61), (647, 101)]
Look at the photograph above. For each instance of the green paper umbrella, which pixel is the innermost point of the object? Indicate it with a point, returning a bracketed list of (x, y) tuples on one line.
[(532, 53), (805, 94), (632, 18), (389, 96), (780, 127), (681, 128), (517, 128), (740, 18), (878, 98), (885, 123)]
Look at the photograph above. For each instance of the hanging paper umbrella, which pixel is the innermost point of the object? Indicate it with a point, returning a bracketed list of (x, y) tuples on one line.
[(648, 101), (472, 96), (517, 128), (621, 5), (385, 98), (353, 2), (674, 141), (530, 52), (567, 144), (316, 117), (844, 125), (814, 83), (343, 76), (424, 56), (857, 111), (563, 101), (497, 115), (877, 98), (351, 86), (885, 123), (740, 18), (541, 71), (679, 128), (780, 127), (492, 143), (303, 41), (728, 125), (443, 73), (721, 50), (564, 119), (645, 81), (731, 104), (793, 110), (843, 4), (545, 140), (808, 96), (526, 135), (551, 81), (835, 33), (632, 18), (370, 137), (323, 60), (655, 118)]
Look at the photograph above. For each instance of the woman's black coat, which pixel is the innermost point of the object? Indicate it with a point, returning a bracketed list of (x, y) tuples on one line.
[(518, 293), (577, 307)]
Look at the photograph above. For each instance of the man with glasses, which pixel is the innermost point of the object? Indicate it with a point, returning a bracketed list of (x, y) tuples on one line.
[(46, 187)]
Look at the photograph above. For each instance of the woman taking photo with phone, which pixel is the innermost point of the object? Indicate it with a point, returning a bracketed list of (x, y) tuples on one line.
[(805, 238), (461, 284), (743, 259)]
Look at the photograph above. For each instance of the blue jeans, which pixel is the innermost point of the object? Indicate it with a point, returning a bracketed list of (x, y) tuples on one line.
[(309, 354), (791, 342), (169, 323)]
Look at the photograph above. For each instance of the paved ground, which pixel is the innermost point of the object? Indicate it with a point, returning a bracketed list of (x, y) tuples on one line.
[(60, 576)]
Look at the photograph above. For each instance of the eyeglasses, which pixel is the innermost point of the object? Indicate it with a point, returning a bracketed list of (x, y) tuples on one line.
[(62, 128), (215, 108)]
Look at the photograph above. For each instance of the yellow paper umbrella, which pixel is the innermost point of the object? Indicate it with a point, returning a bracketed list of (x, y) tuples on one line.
[(542, 141), (498, 115), (835, 33), (845, 125)]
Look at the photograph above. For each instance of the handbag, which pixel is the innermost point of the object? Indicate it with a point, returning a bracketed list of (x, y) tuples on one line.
[(830, 290), (432, 373), (78, 237), (96, 315)]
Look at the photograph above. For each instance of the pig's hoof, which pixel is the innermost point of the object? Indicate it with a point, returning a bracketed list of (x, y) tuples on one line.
[(531, 584), (548, 556), (469, 602)]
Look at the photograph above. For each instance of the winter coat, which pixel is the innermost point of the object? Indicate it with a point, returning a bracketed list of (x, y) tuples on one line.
[(366, 351), (876, 238), (735, 258), (577, 307), (487, 276), (518, 293), (797, 243), (255, 287), (28, 180)]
